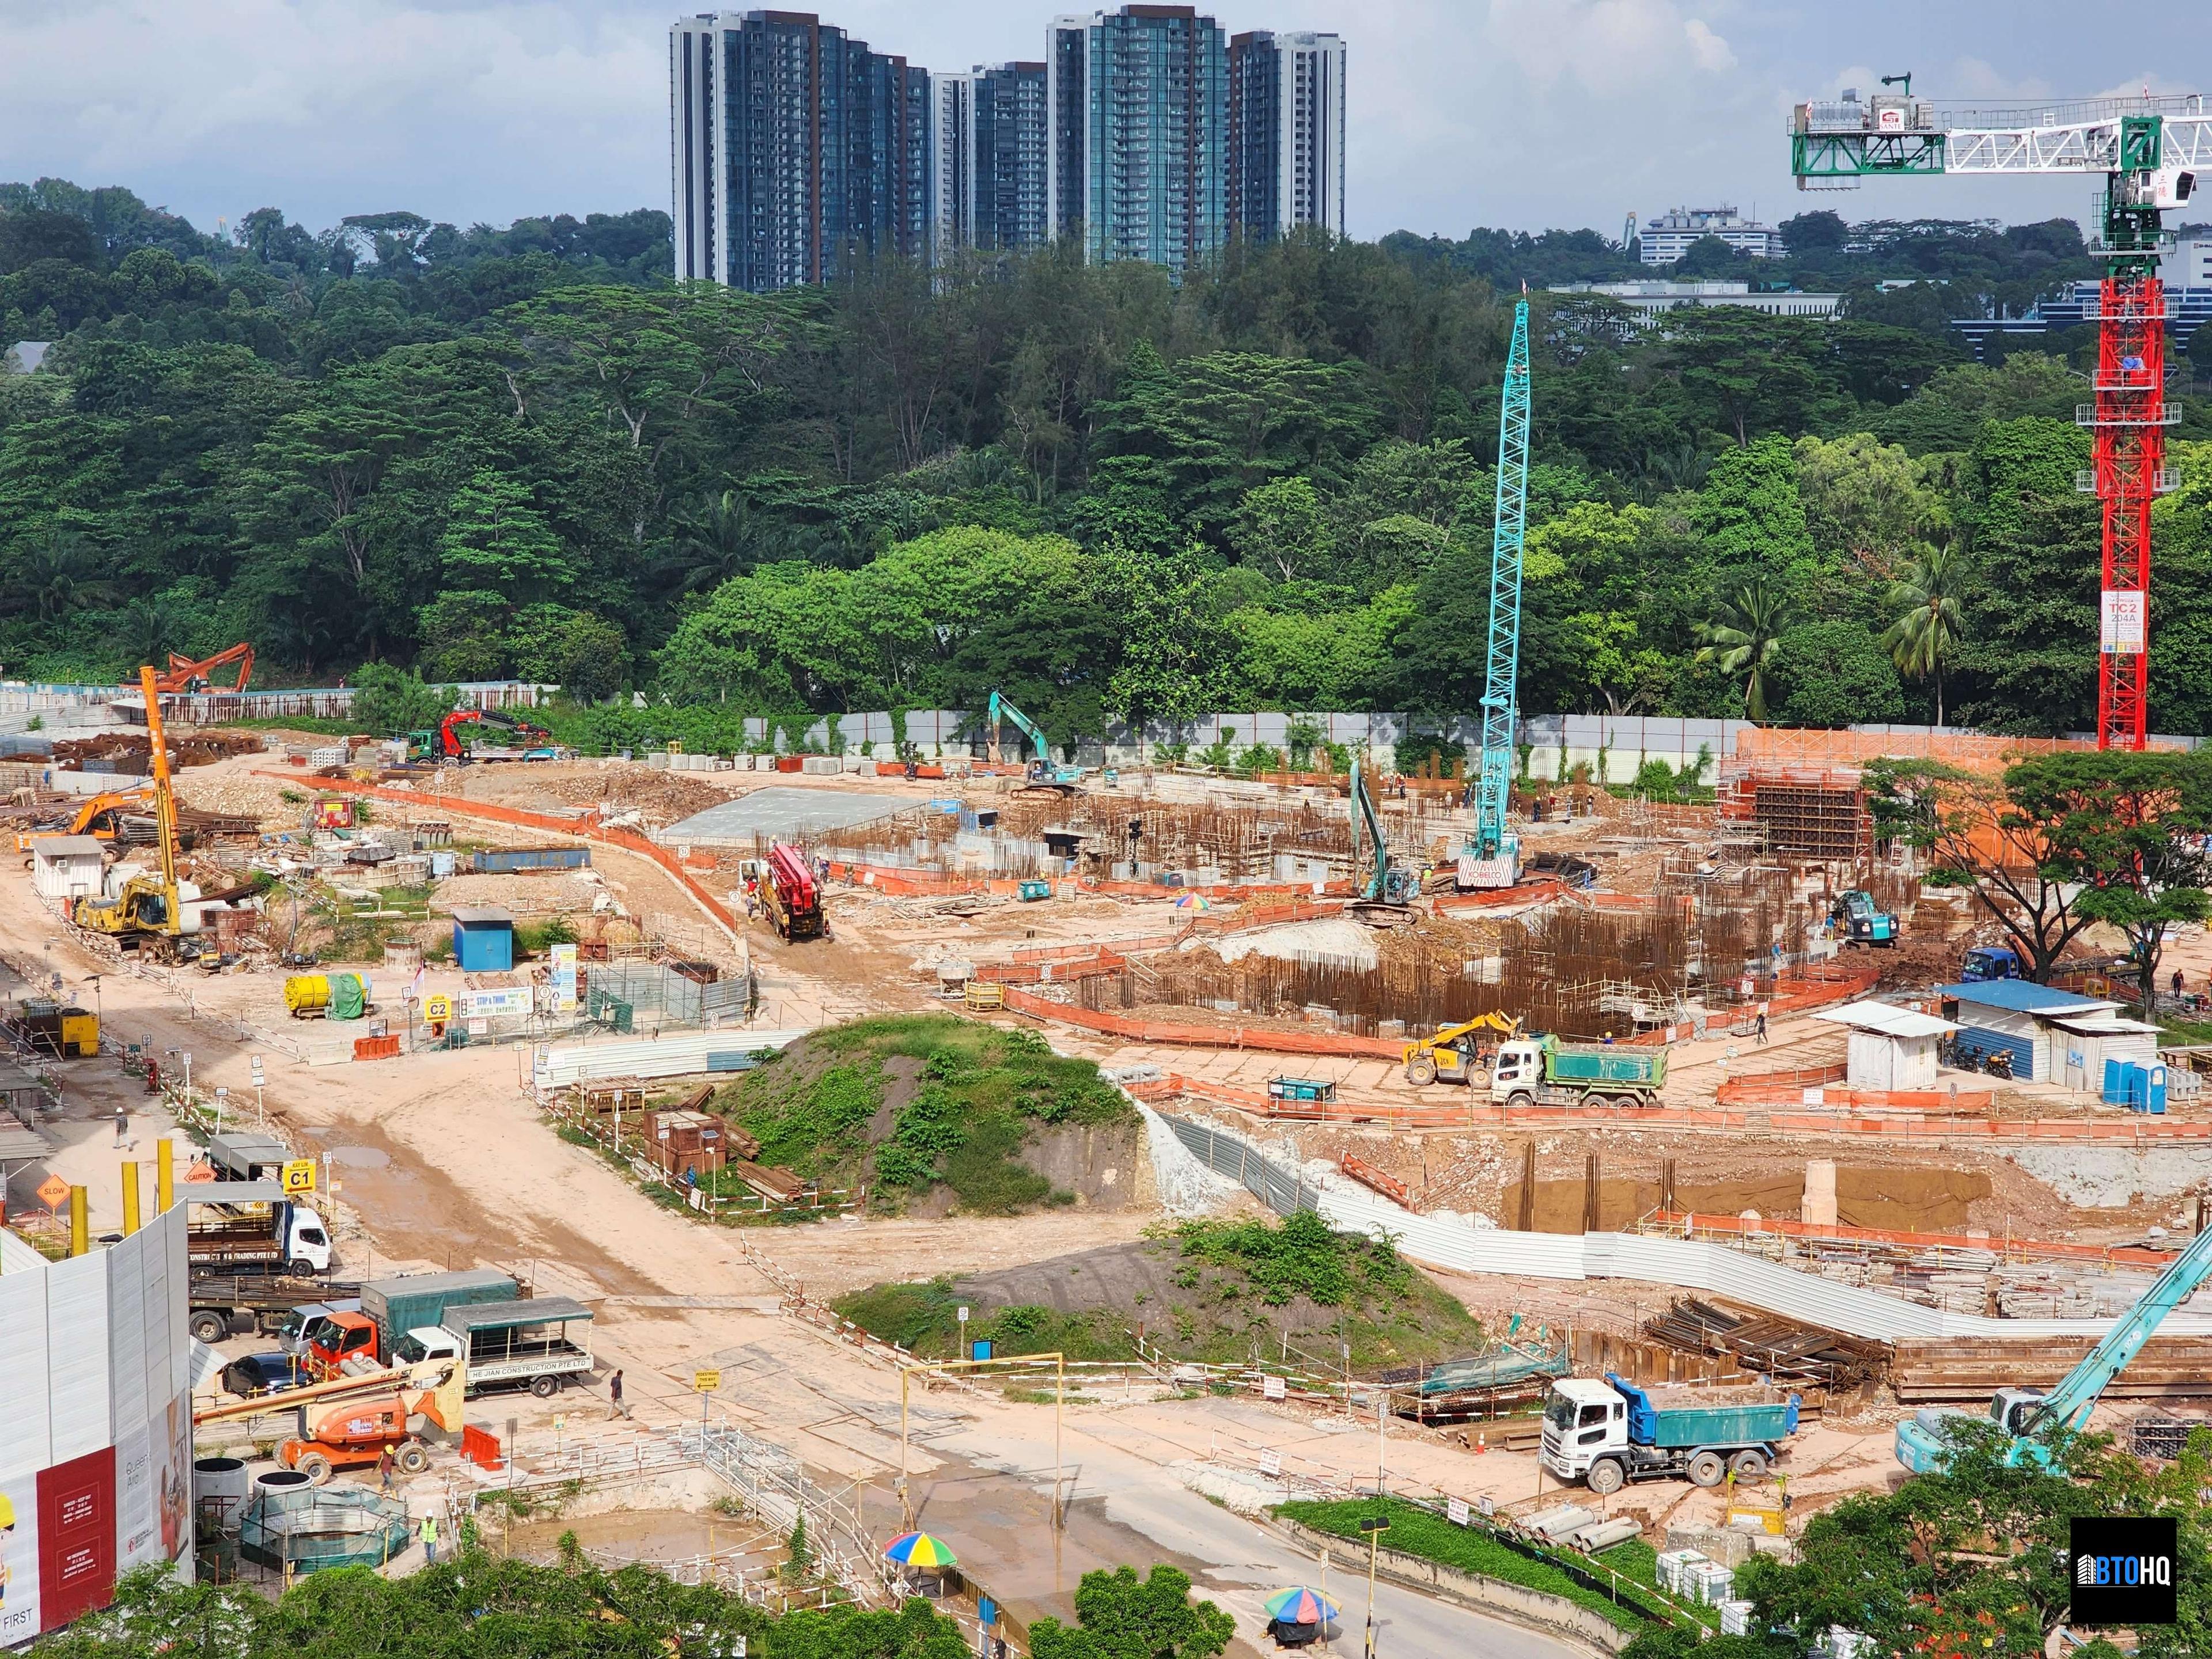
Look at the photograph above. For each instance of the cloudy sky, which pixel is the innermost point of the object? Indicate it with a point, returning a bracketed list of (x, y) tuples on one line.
[(1524, 114)]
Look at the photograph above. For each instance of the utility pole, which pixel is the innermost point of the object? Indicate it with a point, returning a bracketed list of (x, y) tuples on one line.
[(1374, 1525)]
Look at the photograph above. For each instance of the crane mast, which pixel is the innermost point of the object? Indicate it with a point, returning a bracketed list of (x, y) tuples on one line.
[(1492, 838), (2149, 150)]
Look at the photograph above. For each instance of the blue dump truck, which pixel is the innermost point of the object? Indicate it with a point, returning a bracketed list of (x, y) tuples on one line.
[(1607, 1434)]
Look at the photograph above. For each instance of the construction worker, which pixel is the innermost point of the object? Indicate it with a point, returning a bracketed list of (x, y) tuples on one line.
[(385, 1464), (429, 1534), (1762, 1024), (122, 1126), (614, 1394)]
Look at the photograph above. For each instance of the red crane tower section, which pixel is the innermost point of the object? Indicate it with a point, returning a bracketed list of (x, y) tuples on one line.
[(2130, 446), (2149, 151)]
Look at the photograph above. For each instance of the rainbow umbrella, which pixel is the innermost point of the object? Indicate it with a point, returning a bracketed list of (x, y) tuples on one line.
[(1194, 902), (1299, 1606), (919, 1549)]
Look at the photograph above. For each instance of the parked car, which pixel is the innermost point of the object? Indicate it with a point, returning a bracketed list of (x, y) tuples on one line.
[(259, 1374)]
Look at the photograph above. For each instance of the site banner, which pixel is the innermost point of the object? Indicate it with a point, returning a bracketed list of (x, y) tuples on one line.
[(564, 979), (76, 1537)]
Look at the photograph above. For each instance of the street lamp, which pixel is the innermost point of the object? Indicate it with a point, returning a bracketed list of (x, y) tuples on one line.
[(1374, 1525)]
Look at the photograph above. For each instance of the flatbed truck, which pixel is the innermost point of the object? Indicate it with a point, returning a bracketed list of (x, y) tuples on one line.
[(1609, 1433), (221, 1304)]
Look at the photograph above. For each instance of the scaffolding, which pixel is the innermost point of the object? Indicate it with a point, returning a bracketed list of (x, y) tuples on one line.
[(296, 1531), (1806, 815)]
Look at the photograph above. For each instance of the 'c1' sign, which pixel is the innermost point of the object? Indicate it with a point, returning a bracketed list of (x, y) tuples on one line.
[(2122, 1568)]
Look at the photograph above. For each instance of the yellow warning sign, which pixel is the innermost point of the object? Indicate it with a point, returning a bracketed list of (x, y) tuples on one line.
[(299, 1175), (705, 1382)]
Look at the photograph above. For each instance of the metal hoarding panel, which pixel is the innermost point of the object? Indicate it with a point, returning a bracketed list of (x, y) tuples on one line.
[(26, 1438), (681, 1054), (126, 1336), (77, 1338)]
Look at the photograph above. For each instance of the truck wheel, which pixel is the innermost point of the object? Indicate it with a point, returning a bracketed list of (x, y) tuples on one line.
[(1748, 1465), (1421, 1071), (210, 1327), (1520, 1102), (316, 1468), (413, 1458), (1707, 1468), (545, 1387), (1606, 1476), (301, 1269)]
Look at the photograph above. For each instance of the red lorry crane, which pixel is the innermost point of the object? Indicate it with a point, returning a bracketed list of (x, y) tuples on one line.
[(449, 737), (789, 895)]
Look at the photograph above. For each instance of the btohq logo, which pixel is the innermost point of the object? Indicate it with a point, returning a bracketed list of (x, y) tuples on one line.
[(2123, 1570)]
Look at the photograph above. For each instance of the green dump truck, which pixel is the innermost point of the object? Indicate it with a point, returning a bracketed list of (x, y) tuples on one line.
[(1546, 1072)]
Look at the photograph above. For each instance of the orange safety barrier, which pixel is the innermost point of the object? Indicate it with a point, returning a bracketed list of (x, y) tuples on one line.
[(2118, 1255), (2143, 1132), (383, 1048)]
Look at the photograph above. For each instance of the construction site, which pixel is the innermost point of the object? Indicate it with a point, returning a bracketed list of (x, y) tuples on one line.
[(753, 1163)]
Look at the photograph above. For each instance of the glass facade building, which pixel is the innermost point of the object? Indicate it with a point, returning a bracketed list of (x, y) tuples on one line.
[(1139, 105), (988, 154), (791, 146), (1286, 133)]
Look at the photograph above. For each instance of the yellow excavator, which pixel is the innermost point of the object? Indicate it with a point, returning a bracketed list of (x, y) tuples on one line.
[(146, 911), (1454, 1055)]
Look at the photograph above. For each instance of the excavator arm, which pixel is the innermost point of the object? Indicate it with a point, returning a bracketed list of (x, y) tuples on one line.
[(1367, 821), (2068, 1404), (1004, 711), (186, 675)]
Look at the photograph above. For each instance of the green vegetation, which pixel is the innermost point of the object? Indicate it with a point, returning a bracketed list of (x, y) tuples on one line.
[(1417, 1531), (1970, 1561), (974, 1097), (1223, 1292), (1120, 1616), (415, 453), (473, 1605)]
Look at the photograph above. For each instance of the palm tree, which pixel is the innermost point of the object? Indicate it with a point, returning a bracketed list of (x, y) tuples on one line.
[(1929, 619), (61, 573), (148, 630), (1743, 637)]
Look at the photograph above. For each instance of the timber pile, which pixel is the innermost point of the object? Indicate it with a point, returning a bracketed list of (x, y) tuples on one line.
[(1922, 1370), (777, 1185), (1772, 1346)]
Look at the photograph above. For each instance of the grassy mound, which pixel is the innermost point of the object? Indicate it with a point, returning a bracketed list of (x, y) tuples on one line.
[(1224, 1292), (922, 1104), (1417, 1531)]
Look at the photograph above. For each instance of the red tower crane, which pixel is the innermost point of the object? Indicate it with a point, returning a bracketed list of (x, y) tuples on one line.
[(2150, 151)]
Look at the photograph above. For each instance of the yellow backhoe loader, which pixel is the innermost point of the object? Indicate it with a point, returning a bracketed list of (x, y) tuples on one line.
[(1455, 1054)]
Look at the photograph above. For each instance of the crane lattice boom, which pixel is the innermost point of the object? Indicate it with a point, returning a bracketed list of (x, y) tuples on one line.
[(1495, 788)]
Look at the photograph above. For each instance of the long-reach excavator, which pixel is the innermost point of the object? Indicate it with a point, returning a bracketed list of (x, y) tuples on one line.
[(1383, 897), (185, 674), (146, 912)]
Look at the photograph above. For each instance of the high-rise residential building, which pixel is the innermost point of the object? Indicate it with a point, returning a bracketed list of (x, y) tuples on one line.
[(1139, 101), (791, 145), (1286, 133), (988, 136)]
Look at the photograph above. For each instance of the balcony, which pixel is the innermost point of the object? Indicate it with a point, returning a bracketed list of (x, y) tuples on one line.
[(2088, 415), (2164, 482)]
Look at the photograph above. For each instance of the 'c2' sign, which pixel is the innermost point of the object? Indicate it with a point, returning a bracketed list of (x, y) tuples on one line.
[(2122, 1568)]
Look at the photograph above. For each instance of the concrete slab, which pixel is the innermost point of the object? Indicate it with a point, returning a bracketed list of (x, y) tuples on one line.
[(782, 814)]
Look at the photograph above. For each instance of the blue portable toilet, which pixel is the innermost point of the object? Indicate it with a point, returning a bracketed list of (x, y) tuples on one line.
[(483, 940), (2153, 1089), (2115, 1091)]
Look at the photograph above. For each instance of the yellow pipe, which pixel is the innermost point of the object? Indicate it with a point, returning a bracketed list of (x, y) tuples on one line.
[(80, 1223), (130, 1199), (165, 1176)]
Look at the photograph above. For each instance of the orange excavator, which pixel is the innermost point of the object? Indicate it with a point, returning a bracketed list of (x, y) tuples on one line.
[(186, 675), (99, 817)]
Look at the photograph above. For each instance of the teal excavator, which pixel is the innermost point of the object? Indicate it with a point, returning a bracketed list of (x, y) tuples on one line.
[(1382, 897), (2029, 1415), (1042, 770)]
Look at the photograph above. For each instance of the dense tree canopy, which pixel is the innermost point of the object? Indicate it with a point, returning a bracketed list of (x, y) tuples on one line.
[(479, 452)]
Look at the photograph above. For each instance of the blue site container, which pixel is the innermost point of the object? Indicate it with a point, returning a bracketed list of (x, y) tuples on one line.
[(483, 940), (507, 860)]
